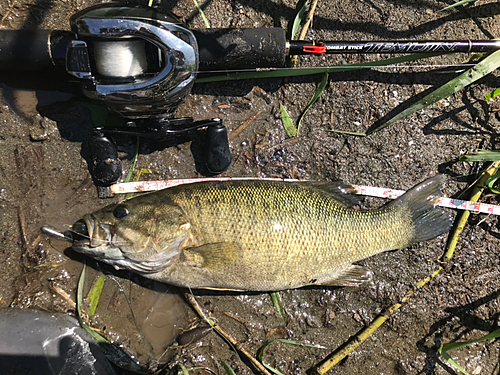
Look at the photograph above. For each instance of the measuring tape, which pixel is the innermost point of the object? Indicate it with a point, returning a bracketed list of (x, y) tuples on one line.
[(143, 186)]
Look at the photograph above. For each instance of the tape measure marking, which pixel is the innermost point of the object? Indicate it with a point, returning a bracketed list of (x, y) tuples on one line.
[(143, 186)]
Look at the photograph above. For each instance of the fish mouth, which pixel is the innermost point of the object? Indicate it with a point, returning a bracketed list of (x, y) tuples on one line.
[(96, 240), (82, 230)]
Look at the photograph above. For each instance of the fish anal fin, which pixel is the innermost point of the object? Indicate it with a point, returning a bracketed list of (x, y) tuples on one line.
[(350, 276)]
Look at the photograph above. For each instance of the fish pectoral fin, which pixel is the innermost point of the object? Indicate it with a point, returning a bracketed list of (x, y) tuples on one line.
[(215, 260), (214, 255), (350, 276)]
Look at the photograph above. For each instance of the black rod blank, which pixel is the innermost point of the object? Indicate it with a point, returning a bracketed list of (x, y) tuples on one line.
[(300, 47)]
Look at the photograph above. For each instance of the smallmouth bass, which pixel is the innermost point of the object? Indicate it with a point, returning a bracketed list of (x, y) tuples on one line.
[(256, 235)]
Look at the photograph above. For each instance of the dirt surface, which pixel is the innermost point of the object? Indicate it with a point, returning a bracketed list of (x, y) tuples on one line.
[(45, 181)]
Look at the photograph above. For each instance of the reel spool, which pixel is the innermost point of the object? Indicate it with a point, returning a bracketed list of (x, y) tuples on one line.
[(124, 59), (138, 62)]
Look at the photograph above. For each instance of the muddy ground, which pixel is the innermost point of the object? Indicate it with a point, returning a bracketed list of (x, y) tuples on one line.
[(45, 181)]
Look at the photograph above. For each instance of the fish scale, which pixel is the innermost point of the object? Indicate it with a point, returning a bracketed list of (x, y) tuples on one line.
[(268, 235), (272, 218)]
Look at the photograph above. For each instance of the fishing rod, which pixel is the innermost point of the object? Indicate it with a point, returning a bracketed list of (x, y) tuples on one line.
[(141, 64)]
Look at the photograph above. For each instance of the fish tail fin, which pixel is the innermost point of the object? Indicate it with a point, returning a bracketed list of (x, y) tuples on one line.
[(428, 220)]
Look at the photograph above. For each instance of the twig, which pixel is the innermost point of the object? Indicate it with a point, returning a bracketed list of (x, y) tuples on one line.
[(24, 238), (22, 227), (224, 334), (249, 121), (360, 337), (64, 295), (309, 18), (9, 11), (304, 30), (36, 242), (476, 193)]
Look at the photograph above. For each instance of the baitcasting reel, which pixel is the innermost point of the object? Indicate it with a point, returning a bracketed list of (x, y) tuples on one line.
[(141, 64)]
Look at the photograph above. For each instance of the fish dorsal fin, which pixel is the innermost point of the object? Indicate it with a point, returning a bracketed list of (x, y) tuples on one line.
[(352, 275), (339, 190)]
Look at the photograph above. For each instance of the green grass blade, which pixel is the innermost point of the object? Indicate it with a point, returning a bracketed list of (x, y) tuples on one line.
[(482, 69), (95, 294), (313, 100), (348, 133), (298, 19), (492, 94), (272, 369), (285, 341), (485, 155), (481, 155), (207, 24), (140, 172), (79, 300), (455, 345), (184, 370), (452, 362), (229, 370), (79, 293), (278, 305), (294, 72), (491, 182), (458, 3), (134, 162), (287, 122)]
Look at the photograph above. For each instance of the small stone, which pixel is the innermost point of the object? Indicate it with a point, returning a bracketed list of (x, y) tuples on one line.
[(42, 128)]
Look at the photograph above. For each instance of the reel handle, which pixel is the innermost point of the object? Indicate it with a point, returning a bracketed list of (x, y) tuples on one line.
[(105, 166), (217, 152)]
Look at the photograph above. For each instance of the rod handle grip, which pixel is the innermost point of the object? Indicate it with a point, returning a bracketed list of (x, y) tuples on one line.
[(229, 49), (32, 49)]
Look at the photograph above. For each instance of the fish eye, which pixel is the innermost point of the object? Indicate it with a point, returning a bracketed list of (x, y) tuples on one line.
[(120, 211)]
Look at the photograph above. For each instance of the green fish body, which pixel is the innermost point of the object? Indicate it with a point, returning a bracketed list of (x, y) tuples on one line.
[(257, 235)]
